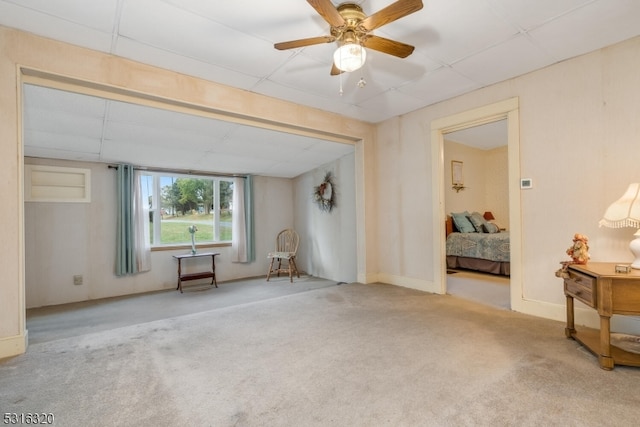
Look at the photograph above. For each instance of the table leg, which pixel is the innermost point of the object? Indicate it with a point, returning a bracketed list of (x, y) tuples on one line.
[(179, 275), (570, 330), (604, 357), (214, 281)]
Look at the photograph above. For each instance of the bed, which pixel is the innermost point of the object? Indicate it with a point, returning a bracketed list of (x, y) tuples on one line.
[(478, 247)]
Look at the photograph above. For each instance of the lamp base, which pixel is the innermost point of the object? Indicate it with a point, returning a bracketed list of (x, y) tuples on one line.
[(634, 246)]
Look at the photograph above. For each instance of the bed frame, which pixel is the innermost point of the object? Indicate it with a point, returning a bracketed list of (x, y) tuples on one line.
[(475, 264)]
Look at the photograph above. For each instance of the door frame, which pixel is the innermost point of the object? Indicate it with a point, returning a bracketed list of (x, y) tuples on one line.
[(509, 110)]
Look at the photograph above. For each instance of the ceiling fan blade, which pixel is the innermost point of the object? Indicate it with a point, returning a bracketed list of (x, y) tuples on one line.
[(328, 11), (335, 70), (391, 47), (390, 13), (304, 42)]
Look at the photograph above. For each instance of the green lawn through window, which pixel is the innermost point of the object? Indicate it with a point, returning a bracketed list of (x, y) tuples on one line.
[(175, 230)]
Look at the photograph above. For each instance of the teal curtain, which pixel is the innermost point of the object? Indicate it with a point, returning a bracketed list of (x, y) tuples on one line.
[(125, 237)]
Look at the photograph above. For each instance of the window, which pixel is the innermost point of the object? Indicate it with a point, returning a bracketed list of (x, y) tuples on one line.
[(177, 202)]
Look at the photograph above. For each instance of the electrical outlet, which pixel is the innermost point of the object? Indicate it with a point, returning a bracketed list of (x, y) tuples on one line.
[(77, 280)]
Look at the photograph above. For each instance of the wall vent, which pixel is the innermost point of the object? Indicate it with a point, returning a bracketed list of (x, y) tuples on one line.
[(57, 184)]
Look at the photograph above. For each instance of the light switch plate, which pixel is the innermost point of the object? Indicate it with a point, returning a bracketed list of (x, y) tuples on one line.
[(526, 183)]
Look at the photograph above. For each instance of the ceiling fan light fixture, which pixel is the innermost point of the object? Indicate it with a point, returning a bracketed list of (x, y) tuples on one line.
[(349, 57)]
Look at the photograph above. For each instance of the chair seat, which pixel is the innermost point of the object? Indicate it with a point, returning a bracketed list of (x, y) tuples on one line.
[(285, 250), (284, 255)]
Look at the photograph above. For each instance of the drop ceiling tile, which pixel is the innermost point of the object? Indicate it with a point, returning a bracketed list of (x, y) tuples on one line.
[(400, 69), (335, 148), (484, 137), (158, 137), (282, 140), (99, 15), (589, 28), (287, 169), (287, 20), (142, 155), (415, 29), (302, 72), (439, 85), (46, 25), (121, 112), (61, 142), (330, 101), (54, 153), (461, 28), (229, 163), (322, 53), (528, 15), (47, 99), (163, 26), (270, 146), (61, 122), (315, 158), (491, 66), (140, 52), (394, 100)]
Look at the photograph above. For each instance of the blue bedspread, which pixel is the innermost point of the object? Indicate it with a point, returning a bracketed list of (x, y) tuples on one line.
[(494, 247)]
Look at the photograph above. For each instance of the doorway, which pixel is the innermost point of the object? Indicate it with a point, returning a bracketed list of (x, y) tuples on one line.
[(480, 154), (508, 111)]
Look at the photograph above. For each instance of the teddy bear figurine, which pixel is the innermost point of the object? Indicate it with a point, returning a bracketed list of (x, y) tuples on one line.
[(579, 251)]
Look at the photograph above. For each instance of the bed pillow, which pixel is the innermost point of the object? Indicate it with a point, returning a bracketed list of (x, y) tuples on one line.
[(490, 227), (478, 221), (462, 222)]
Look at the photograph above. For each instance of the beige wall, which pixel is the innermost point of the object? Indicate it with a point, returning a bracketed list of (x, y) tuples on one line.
[(328, 239), (579, 138), (497, 185), (486, 180), (39, 60)]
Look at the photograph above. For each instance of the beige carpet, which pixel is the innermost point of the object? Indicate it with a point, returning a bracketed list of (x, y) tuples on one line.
[(349, 355)]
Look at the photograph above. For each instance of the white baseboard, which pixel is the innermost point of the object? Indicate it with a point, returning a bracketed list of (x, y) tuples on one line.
[(13, 346), (407, 282)]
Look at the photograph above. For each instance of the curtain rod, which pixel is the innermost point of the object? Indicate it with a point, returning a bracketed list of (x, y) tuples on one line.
[(185, 172)]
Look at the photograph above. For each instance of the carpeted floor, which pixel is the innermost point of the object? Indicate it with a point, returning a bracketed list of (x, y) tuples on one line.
[(348, 355)]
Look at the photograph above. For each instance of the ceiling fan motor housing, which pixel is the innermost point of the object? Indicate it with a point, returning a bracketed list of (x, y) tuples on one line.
[(351, 31)]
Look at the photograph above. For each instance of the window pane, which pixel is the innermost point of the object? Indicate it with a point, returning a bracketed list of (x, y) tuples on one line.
[(179, 202), (185, 202)]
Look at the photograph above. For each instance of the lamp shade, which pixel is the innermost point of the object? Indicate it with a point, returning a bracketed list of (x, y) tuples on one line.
[(489, 216), (349, 57), (624, 212)]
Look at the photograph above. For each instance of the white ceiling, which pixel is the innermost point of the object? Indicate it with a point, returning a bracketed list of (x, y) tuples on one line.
[(461, 45), (484, 137), (65, 125)]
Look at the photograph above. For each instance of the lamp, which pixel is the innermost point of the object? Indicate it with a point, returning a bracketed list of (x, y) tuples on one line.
[(625, 212), (349, 57), (488, 216)]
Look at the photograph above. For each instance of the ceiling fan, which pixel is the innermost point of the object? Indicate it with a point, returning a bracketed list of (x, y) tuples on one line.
[(351, 28)]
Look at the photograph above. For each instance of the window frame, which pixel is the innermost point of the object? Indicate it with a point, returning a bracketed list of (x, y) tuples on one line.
[(155, 208)]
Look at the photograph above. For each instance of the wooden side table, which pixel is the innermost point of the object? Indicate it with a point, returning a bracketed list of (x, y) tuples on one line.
[(597, 285), (198, 275)]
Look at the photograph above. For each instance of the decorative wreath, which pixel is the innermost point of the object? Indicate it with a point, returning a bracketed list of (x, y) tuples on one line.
[(324, 194)]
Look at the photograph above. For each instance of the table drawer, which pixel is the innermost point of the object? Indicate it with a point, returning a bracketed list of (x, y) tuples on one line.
[(582, 287)]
